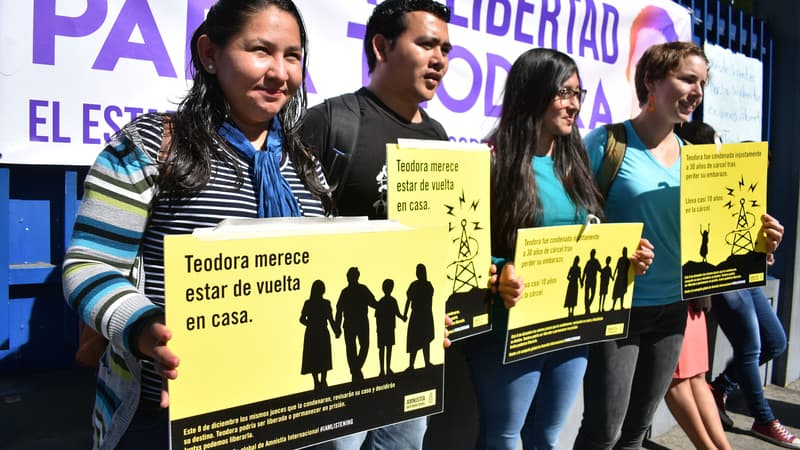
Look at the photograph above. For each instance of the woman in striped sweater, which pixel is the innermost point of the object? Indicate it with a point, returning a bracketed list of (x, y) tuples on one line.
[(230, 150)]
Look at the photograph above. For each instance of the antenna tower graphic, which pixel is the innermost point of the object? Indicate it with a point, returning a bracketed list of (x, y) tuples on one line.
[(464, 277), (742, 243)]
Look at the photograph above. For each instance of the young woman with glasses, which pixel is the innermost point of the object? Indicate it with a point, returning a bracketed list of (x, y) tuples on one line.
[(540, 177)]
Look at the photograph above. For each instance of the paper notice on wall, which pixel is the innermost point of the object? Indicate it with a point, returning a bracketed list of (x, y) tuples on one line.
[(732, 103)]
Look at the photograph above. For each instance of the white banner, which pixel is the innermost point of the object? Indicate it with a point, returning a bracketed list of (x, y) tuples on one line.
[(74, 71), (732, 103)]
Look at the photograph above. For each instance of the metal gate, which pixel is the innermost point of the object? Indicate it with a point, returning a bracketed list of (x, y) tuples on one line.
[(717, 23)]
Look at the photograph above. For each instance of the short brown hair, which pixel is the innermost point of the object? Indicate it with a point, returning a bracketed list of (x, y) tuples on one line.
[(660, 60)]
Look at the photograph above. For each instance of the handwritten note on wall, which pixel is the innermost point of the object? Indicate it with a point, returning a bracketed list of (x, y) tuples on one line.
[(733, 96)]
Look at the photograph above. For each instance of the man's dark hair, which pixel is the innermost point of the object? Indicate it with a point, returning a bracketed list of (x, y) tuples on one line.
[(389, 20)]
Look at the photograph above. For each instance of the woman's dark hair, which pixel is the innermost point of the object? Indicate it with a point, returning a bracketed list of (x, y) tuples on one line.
[(531, 86), (195, 140), (696, 132), (660, 60), (389, 19)]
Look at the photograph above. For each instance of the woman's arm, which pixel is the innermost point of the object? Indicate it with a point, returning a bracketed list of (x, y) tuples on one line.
[(771, 233), (506, 283), (100, 261), (642, 258)]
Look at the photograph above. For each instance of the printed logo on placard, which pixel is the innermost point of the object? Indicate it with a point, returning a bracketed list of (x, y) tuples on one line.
[(614, 329), (420, 400)]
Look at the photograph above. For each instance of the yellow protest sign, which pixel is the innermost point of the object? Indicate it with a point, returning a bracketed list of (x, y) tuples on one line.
[(578, 287), (285, 330), (447, 183), (723, 195)]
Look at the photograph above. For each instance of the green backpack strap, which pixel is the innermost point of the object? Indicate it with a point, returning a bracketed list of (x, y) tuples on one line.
[(612, 157)]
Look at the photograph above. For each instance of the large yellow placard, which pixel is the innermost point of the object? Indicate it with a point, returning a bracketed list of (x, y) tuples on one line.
[(578, 287), (447, 183), (723, 195), (283, 330)]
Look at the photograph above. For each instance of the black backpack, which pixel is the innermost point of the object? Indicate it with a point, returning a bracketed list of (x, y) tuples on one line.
[(344, 120)]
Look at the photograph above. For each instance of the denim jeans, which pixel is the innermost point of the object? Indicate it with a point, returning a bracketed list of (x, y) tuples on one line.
[(528, 399), (406, 435), (757, 336), (626, 379)]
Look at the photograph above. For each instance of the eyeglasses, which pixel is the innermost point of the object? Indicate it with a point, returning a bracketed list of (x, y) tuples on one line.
[(568, 94)]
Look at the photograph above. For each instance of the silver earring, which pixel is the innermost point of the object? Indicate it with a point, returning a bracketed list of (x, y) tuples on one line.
[(210, 67)]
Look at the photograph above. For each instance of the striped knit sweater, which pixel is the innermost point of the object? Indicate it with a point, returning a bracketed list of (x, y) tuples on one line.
[(113, 270)]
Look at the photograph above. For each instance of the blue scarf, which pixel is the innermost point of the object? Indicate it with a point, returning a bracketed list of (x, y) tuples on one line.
[(274, 196)]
